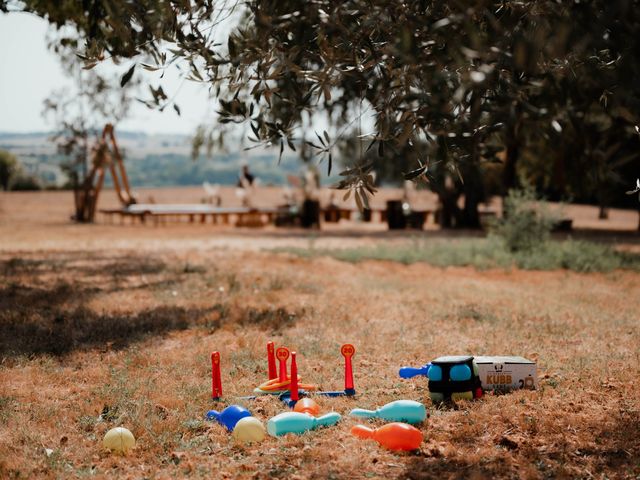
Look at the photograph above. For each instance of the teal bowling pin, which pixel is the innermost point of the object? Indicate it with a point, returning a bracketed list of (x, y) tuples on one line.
[(399, 411), (296, 422)]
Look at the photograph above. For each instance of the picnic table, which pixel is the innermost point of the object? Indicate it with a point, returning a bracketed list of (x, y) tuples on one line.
[(218, 215)]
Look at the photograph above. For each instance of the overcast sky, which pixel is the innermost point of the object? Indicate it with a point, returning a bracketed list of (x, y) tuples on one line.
[(29, 72)]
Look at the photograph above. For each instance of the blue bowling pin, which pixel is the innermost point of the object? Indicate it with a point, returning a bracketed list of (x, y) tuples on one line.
[(229, 416)]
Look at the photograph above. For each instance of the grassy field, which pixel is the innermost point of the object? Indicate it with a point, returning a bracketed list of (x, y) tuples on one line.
[(106, 326), (485, 253)]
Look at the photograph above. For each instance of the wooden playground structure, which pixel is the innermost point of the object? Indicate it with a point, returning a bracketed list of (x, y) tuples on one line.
[(106, 155)]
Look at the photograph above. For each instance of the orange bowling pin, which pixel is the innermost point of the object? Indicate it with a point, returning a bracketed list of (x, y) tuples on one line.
[(394, 436)]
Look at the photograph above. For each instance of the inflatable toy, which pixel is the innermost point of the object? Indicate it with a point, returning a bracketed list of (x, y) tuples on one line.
[(399, 411), (296, 422), (394, 436)]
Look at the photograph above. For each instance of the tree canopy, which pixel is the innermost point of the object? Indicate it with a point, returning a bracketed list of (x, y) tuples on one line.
[(453, 82)]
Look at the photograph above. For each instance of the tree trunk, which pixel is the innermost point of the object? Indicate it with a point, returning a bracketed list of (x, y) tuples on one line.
[(473, 189), (470, 214), (603, 214), (450, 214), (447, 213), (509, 177)]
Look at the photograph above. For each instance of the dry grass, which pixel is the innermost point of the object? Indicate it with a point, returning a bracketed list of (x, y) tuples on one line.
[(146, 367), (119, 332)]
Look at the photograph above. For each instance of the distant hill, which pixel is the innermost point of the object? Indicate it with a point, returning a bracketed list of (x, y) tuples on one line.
[(154, 160)]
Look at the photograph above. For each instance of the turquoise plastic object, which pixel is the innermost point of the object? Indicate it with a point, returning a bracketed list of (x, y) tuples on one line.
[(296, 422), (229, 416), (407, 411), (434, 373), (460, 373)]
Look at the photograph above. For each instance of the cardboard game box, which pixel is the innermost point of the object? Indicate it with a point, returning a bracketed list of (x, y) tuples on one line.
[(503, 373)]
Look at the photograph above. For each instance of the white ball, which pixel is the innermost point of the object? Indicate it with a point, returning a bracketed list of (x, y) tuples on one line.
[(119, 440)]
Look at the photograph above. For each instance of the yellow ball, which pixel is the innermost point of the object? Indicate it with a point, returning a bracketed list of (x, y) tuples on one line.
[(249, 430), (119, 440), (462, 396)]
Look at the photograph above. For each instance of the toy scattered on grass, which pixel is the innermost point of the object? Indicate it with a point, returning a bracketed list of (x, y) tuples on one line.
[(297, 389), (271, 361), (288, 388), (282, 383), (294, 394), (249, 430), (119, 440), (453, 378), (216, 379), (394, 436), (348, 351), (295, 422), (410, 372), (408, 411), (308, 406), (229, 416), (504, 373)]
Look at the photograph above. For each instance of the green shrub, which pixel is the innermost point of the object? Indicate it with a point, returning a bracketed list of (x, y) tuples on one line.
[(521, 239), (24, 182), (8, 168), (527, 222)]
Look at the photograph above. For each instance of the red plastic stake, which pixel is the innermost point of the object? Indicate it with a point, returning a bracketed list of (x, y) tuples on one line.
[(271, 361), (282, 354), (216, 380), (348, 351), (294, 378)]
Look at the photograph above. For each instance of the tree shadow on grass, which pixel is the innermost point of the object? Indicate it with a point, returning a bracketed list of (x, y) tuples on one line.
[(43, 304), (35, 320), (41, 314), (423, 468), (83, 264), (614, 454), (58, 332)]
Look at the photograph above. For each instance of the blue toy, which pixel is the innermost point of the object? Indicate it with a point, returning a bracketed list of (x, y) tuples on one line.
[(229, 416), (407, 411), (450, 378), (460, 373), (296, 422), (410, 372)]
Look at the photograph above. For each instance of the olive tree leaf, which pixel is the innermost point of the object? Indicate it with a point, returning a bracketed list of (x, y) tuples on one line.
[(416, 173), (127, 76)]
